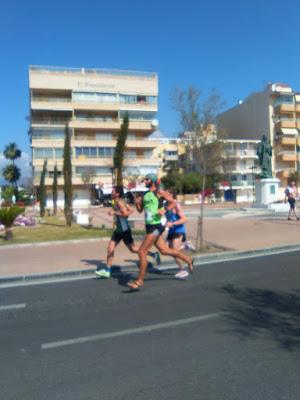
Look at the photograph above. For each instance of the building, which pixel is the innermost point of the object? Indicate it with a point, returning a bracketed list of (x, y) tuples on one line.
[(239, 169), (168, 151), (93, 103), (274, 112)]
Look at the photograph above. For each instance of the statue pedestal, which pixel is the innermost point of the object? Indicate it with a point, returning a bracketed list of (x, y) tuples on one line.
[(266, 191)]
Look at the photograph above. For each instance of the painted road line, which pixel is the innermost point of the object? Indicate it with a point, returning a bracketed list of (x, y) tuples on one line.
[(12, 307), (133, 331)]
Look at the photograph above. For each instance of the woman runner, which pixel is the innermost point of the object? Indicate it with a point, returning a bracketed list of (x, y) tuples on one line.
[(150, 204)]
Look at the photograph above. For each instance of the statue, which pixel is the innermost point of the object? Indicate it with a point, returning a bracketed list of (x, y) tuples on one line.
[(264, 153)]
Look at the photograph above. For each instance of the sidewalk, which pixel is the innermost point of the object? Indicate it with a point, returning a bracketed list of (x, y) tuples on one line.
[(231, 232)]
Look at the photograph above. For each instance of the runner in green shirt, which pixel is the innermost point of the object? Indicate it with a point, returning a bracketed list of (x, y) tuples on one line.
[(120, 211), (150, 204)]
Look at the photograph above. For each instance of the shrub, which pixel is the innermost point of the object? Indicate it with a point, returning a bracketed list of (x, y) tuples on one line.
[(7, 217)]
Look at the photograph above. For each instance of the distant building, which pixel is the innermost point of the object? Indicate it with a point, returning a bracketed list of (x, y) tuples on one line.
[(93, 102), (239, 169), (274, 112)]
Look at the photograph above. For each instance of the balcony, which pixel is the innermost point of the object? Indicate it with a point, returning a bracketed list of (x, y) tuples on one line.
[(284, 107), (137, 143), (94, 106), (39, 122), (287, 155), (113, 124), (46, 103), (286, 123), (284, 173), (285, 141)]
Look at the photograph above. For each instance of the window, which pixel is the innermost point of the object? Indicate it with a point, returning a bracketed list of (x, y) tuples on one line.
[(93, 97), (47, 134), (105, 152), (93, 170), (87, 152), (136, 115), (58, 152), (104, 136), (43, 152), (137, 99)]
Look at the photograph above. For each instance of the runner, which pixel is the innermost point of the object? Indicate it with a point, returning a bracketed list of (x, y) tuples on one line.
[(121, 211), (150, 203), (177, 233)]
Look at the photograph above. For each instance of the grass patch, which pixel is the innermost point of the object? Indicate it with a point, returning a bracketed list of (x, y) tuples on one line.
[(54, 228)]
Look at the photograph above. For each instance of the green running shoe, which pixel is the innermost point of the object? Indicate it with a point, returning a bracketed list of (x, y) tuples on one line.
[(103, 273)]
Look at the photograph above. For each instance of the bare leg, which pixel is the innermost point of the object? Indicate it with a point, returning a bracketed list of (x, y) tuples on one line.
[(148, 241), (110, 252), (165, 250), (175, 244)]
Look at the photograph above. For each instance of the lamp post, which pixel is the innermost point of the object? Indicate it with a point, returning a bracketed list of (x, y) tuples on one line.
[(253, 188)]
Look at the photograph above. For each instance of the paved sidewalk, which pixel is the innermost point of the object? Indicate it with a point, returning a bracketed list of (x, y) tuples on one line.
[(231, 232)]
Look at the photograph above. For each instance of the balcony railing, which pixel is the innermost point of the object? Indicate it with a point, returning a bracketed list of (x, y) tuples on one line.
[(52, 99), (89, 71), (51, 121)]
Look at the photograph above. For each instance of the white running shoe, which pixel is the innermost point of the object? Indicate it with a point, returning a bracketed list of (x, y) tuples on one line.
[(103, 273), (181, 274)]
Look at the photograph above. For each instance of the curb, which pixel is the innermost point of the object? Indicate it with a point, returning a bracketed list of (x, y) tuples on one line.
[(212, 258)]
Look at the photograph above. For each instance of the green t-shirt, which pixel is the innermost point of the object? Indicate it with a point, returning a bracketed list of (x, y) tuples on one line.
[(151, 206)]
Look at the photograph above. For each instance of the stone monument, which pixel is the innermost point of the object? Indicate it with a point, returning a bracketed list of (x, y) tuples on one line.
[(266, 187)]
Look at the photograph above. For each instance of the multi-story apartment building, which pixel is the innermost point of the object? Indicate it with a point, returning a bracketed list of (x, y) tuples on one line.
[(93, 103), (274, 112), (239, 169)]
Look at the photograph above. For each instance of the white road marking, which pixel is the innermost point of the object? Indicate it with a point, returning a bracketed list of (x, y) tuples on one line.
[(133, 331), (12, 307)]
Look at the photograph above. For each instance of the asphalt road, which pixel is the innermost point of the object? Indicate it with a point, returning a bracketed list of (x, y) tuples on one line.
[(232, 332)]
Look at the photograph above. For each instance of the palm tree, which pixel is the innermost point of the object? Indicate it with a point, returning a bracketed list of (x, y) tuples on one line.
[(11, 152), (11, 172)]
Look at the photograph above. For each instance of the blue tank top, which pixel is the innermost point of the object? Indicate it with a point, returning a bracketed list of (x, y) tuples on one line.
[(173, 217)]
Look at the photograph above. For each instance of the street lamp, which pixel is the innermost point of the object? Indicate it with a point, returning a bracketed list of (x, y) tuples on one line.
[(253, 187)]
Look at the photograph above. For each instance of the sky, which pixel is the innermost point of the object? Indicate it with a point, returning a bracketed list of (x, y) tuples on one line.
[(235, 47)]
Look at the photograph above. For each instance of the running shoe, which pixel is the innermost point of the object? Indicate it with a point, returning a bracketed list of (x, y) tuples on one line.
[(181, 274), (189, 246), (103, 273), (156, 257)]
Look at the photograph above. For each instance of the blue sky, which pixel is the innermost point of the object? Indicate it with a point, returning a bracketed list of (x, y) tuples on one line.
[(234, 46)]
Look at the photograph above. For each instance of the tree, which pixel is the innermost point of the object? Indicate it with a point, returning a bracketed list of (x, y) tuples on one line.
[(42, 195), (11, 152), (11, 172), (54, 190), (67, 171), (204, 148), (120, 150)]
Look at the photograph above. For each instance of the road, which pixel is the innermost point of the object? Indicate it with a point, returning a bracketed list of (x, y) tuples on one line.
[(232, 332)]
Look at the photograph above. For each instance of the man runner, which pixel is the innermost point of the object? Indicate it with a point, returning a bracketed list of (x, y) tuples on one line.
[(121, 211)]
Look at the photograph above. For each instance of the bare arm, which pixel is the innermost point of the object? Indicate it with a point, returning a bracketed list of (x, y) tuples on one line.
[(168, 197), (139, 204), (124, 210)]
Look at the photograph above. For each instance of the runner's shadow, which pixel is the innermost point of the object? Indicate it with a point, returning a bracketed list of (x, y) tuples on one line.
[(254, 312), (96, 263)]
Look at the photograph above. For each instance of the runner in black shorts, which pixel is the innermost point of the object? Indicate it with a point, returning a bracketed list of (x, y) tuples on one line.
[(121, 211)]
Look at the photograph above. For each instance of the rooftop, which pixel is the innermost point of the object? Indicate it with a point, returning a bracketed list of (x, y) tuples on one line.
[(90, 71)]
